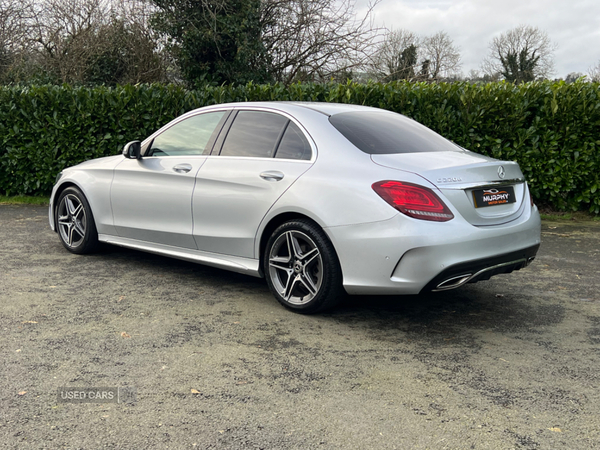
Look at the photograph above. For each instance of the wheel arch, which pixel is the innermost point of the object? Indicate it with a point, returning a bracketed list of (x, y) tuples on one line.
[(59, 190), (275, 222)]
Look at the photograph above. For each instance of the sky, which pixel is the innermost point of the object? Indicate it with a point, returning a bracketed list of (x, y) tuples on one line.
[(574, 26)]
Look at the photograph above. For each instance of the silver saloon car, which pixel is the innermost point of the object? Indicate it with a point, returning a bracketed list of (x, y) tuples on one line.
[(318, 198)]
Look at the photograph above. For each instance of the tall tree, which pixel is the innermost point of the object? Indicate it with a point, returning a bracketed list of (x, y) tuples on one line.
[(401, 53), (15, 18), (93, 41), (442, 54), (518, 68), (65, 34), (521, 54), (407, 63), (215, 41), (127, 54), (396, 56)]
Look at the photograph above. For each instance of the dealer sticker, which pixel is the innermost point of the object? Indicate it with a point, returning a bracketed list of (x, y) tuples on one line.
[(495, 196)]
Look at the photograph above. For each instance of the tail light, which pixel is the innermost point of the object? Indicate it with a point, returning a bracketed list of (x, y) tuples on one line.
[(413, 200)]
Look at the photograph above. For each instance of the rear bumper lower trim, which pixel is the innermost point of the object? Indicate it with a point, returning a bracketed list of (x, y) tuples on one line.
[(481, 269)]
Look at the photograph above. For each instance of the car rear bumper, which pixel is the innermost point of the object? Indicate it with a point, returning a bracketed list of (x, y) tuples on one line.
[(409, 256)]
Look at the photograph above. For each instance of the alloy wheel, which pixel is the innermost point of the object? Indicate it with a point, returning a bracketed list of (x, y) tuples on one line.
[(72, 220), (296, 267)]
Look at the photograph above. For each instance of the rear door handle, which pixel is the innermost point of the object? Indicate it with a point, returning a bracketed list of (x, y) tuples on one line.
[(182, 168), (272, 175)]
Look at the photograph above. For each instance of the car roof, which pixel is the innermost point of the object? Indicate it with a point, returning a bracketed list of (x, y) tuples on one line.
[(328, 109), (332, 108)]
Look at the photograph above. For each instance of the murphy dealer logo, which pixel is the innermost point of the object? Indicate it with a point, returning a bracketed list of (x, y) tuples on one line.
[(491, 197), (496, 196)]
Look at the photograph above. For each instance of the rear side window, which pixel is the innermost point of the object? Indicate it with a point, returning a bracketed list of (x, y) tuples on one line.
[(293, 145), (254, 133), (382, 133)]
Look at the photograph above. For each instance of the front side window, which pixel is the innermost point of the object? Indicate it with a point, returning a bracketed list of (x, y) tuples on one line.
[(254, 134), (188, 137)]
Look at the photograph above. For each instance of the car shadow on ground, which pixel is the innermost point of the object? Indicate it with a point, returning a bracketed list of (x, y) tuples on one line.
[(489, 305), (470, 308)]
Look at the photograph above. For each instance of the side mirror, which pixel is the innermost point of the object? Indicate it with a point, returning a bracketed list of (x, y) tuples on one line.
[(132, 150)]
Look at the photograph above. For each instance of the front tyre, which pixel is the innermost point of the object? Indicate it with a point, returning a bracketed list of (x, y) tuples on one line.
[(302, 268), (75, 223)]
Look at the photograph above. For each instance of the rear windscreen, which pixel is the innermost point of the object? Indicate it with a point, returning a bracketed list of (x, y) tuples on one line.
[(383, 133)]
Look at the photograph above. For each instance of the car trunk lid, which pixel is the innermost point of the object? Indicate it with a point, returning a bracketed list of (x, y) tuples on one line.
[(485, 191)]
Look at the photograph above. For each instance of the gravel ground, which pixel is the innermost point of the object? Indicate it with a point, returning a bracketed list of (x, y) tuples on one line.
[(216, 363)]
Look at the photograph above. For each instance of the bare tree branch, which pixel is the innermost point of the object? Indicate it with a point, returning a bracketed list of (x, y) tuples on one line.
[(315, 38)]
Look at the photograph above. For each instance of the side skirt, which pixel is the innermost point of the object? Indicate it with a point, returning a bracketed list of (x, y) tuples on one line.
[(246, 266)]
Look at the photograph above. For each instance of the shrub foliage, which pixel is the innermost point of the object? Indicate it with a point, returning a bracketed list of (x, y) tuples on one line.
[(552, 129)]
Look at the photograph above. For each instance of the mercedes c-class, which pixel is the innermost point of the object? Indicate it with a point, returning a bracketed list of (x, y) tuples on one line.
[(320, 199)]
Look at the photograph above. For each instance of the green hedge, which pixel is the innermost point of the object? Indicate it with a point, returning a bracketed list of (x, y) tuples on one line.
[(551, 128)]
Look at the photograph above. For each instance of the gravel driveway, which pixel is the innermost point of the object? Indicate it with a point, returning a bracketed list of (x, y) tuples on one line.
[(215, 362)]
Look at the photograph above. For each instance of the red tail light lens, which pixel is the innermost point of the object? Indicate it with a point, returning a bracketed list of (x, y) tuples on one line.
[(413, 200)]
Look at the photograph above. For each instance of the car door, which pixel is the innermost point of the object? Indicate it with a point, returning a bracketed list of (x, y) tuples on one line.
[(253, 164), (152, 197)]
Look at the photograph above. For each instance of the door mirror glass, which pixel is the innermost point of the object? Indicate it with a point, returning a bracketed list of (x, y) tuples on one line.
[(132, 150)]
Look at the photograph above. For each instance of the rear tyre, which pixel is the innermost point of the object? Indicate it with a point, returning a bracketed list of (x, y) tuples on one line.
[(75, 223), (302, 268)]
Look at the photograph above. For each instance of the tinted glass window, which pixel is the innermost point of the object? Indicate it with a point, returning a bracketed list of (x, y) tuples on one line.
[(188, 137), (293, 144), (385, 133), (253, 133)]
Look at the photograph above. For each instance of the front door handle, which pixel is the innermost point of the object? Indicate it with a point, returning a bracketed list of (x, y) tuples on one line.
[(272, 175), (182, 168)]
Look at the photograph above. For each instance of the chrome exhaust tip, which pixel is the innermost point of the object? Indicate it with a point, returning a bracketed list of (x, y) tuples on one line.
[(453, 282)]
